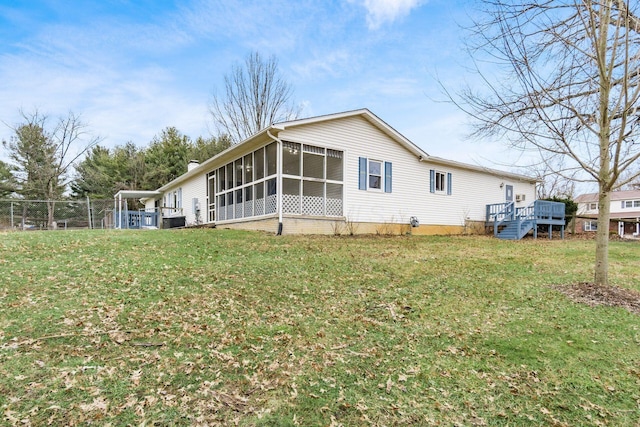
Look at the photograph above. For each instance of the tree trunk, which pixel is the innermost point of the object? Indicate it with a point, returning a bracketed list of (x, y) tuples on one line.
[(601, 276), (51, 206)]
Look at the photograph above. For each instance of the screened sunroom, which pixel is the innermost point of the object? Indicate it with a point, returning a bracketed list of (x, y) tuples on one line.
[(309, 181)]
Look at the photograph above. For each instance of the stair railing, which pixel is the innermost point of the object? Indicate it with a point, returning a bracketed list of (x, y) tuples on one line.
[(506, 214), (523, 215)]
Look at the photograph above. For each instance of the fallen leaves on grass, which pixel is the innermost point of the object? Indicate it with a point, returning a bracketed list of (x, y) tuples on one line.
[(593, 295)]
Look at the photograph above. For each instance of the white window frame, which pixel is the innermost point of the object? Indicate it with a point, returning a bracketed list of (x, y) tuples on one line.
[(443, 178), (593, 206), (591, 225), (369, 175)]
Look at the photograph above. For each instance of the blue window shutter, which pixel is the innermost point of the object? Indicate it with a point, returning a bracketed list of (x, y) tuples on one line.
[(387, 177), (623, 204), (362, 183), (449, 183), (432, 180)]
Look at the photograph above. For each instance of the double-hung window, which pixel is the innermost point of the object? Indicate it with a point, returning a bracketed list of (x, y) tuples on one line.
[(440, 182), (374, 175), (590, 225)]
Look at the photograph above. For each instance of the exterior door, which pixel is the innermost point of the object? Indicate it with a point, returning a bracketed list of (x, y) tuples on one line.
[(508, 195)]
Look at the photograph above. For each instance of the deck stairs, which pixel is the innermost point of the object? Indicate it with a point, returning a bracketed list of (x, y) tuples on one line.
[(512, 223)]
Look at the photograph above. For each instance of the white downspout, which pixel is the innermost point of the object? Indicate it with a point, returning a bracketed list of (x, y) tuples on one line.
[(278, 179)]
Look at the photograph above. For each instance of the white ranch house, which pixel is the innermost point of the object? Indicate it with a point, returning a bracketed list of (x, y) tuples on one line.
[(348, 172)]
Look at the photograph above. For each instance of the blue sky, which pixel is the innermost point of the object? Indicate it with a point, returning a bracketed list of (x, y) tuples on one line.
[(132, 68)]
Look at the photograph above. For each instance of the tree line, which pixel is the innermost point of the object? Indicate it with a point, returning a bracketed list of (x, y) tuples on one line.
[(52, 161), (104, 171)]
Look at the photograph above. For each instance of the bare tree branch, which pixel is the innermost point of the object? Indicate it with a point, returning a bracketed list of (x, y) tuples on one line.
[(255, 96), (570, 89)]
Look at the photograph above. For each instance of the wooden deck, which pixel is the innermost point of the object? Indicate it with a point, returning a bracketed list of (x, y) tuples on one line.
[(513, 223)]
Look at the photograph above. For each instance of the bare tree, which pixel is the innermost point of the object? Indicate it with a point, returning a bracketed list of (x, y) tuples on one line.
[(571, 89), (551, 183), (42, 158), (255, 96)]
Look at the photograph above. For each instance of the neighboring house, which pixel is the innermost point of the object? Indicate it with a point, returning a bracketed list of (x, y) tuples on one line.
[(343, 173), (625, 213)]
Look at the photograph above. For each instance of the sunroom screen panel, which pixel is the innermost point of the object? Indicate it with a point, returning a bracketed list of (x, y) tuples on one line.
[(259, 192), (271, 202), (259, 164), (248, 201), (291, 158), (313, 165), (239, 204), (272, 158), (230, 205), (248, 168), (313, 198), (334, 165), (291, 195), (222, 209), (334, 199)]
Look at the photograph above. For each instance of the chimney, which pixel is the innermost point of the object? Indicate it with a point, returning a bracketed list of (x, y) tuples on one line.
[(192, 165)]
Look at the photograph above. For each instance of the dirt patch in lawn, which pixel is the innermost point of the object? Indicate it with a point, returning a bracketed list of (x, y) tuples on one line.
[(611, 296)]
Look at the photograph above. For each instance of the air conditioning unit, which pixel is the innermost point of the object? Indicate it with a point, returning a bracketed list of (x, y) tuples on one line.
[(520, 197)]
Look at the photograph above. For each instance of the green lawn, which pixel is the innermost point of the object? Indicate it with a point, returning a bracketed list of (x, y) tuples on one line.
[(213, 327)]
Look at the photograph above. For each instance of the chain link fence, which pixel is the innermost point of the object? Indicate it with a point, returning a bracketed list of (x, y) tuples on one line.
[(23, 215)]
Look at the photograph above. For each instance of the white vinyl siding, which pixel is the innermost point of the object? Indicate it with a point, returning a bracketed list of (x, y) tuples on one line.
[(186, 192), (411, 196), (330, 154)]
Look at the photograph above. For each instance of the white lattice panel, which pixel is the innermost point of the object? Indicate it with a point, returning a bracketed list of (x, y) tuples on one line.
[(239, 210), (248, 208), (291, 203), (222, 214), (272, 204), (229, 211), (259, 206), (313, 205), (334, 207)]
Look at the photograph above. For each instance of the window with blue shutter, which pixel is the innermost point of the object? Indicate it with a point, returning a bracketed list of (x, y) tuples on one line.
[(432, 181), (440, 182), (375, 175), (387, 177), (362, 174)]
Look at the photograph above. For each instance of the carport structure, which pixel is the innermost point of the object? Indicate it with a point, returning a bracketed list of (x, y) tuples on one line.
[(134, 219)]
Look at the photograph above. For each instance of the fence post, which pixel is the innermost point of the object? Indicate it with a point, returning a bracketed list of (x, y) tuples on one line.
[(11, 214), (89, 213)]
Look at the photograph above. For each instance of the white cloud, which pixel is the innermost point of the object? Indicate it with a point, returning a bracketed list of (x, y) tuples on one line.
[(332, 63), (380, 12)]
